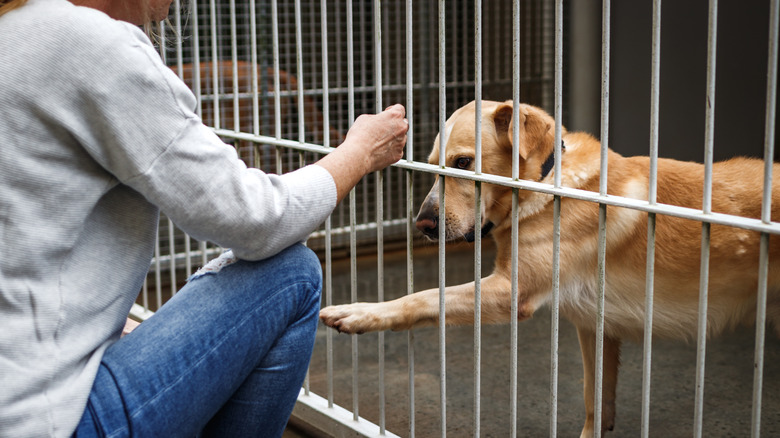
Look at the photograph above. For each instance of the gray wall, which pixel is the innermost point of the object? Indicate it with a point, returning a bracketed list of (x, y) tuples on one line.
[(740, 81)]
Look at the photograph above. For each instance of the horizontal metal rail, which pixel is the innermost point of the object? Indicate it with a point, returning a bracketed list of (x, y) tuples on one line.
[(358, 89), (582, 195)]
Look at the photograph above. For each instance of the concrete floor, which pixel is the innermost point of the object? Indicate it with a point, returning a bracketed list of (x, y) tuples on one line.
[(728, 387)]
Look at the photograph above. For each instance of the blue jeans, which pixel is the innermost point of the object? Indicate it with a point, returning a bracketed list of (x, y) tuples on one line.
[(225, 357)]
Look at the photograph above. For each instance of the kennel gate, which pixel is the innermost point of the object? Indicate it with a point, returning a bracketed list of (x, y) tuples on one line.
[(361, 56)]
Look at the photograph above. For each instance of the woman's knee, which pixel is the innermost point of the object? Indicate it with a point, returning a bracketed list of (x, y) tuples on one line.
[(302, 264), (306, 262)]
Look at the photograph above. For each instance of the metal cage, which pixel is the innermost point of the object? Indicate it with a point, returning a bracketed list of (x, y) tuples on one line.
[(283, 81)]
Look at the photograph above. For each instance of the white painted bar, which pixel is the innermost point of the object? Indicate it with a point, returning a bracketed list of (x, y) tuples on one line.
[(253, 64), (234, 66), (380, 242), (513, 359), (329, 221), (214, 64), (442, 218), (352, 206), (655, 82), (602, 238), (555, 304), (766, 210), (410, 222), (701, 341), (277, 86), (299, 73), (478, 218), (314, 410)]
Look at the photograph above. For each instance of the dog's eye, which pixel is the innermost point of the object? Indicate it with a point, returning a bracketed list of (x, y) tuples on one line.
[(463, 162)]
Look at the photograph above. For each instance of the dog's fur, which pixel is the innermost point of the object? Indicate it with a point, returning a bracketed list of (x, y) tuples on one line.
[(733, 277)]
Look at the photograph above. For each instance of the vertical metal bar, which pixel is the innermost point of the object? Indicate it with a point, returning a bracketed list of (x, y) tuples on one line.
[(555, 311), (306, 382), (410, 282), (702, 329), (180, 73), (172, 254), (648, 338), (651, 197), (352, 207), (602, 239), (477, 207), (442, 314), (325, 75), (329, 302), (771, 100), (196, 79), (178, 41), (758, 361), (275, 46), (709, 121), (145, 293), (442, 216), (353, 298), (157, 275), (203, 253), (477, 215), (299, 68), (350, 66), (328, 221), (188, 256), (196, 87), (410, 200), (707, 208), (253, 63), (234, 66), (380, 243), (605, 54), (515, 209), (163, 47), (214, 64), (766, 217)]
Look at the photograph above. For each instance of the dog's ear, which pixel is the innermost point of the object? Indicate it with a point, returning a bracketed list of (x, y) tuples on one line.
[(537, 129), (502, 119)]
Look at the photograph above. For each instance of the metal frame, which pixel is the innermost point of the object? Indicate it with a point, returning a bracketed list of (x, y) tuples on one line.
[(315, 408)]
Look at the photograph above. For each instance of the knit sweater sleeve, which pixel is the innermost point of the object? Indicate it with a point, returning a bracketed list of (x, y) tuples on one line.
[(138, 122)]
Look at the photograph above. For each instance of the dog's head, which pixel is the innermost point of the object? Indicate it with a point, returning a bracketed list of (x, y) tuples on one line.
[(536, 139)]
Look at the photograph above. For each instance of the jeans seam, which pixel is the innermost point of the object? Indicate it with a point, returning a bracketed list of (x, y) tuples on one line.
[(129, 427), (218, 344)]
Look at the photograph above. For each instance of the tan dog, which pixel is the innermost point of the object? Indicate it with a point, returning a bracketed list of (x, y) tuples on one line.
[(733, 278)]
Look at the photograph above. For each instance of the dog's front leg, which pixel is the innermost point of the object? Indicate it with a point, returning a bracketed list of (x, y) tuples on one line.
[(421, 309), (611, 363)]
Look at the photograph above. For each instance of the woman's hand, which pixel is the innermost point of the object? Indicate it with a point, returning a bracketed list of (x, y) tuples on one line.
[(383, 136), (374, 142)]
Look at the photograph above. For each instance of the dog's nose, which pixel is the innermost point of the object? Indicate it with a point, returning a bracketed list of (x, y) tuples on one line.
[(429, 226)]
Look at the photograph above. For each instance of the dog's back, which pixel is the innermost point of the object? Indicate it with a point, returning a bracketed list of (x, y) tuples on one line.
[(734, 252)]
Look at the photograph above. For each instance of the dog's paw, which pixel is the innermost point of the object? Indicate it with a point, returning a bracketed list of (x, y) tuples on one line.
[(356, 318)]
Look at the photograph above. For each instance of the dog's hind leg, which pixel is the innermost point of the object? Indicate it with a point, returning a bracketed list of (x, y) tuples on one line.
[(609, 382)]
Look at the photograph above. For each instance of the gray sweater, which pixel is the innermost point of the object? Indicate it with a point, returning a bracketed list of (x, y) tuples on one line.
[(97, 136)]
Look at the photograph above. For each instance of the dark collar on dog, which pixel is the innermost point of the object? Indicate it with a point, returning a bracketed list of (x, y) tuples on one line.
[(550, 162), (484, 232)]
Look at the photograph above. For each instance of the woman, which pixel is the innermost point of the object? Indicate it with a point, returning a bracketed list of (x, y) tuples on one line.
[(97, 136)]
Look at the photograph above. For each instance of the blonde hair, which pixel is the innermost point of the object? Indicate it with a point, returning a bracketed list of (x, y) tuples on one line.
[(152, 29), (9, 5)]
